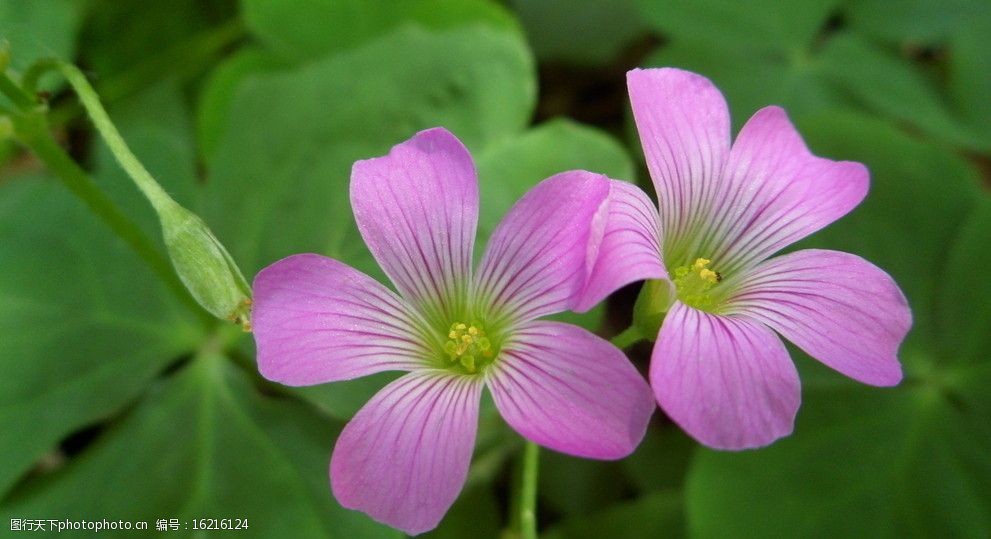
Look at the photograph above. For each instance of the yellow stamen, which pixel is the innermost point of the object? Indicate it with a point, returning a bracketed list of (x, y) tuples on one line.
[(695, 283), (466, 343)]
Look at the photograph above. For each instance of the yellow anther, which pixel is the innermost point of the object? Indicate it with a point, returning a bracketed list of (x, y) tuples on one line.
[(695, 282), (466, 344)]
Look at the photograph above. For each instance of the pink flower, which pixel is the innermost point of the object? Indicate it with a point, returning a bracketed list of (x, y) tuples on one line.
[(404, 456), (717, 368)]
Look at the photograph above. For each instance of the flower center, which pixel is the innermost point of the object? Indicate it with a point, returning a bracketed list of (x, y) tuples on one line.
[(695, 283), (468, 346)]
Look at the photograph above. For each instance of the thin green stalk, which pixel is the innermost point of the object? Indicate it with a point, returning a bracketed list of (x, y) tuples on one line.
[(528, 491), (34, 134), (202, 263), (17, 96), (627, 338), (115, 142)]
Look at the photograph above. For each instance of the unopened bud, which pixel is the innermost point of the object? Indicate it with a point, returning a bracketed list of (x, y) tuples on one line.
[(205, 267), (656, 297)]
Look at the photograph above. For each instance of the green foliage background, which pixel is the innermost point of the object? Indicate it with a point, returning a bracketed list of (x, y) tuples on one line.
[(116, 403)]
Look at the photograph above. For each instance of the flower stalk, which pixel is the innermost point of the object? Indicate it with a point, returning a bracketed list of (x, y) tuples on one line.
[(528, 491), (627, 338), (32, 131), (202, 263)]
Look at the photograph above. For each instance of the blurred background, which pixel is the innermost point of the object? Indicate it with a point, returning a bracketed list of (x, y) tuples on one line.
[(116, 403)]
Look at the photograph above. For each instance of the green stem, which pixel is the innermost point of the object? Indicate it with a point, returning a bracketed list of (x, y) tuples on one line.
[(202, 263), (528, 491), (115, 142), (32, 130), (627, 338), (19, 97), (79, 183)]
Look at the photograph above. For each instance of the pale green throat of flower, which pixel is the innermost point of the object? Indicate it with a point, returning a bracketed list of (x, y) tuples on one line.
[(694, 284), (469, 346)]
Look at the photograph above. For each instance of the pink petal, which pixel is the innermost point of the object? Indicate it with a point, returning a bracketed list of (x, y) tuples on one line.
[(404, 456), (684, 127), (777, 192), (417, 209), (540, 255), (318, 320), (564, 388), (630, 249), (728, 381), (837, 307)]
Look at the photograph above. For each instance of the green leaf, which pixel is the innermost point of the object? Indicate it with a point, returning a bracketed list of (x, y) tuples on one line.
[(915, 22), (294, 31), (606, 28), (759, 26), (963, 316), (774, 53), (901, 462), (220, 89), (656, 515), (970, 71), (883, 83), (39, 29), (204, 444), (298, 29), (85, 326), (121, 35)]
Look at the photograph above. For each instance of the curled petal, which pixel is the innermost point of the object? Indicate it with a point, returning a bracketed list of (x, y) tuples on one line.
[(318, 320), (837, 307), (564, 388), (539, 256), (684, 127), (777, 192), (404, 456), (417, 209), (727, 381), (630, 249)]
